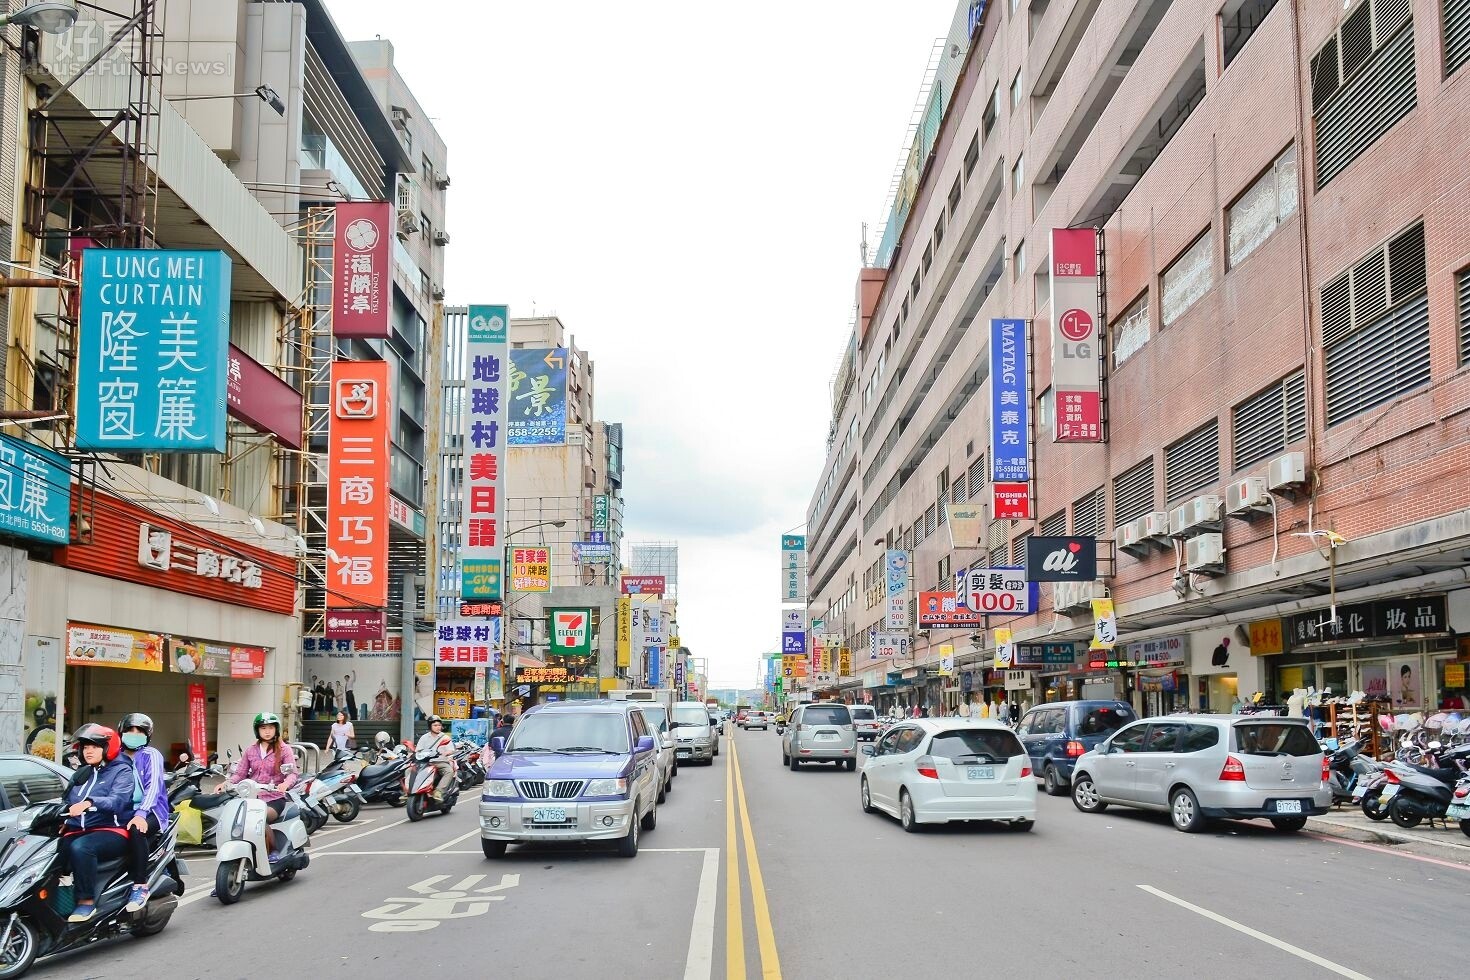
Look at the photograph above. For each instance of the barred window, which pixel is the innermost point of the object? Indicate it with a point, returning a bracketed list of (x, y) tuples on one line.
[(1193, 461), (1018, 549), (997, 556), (976, 478), (1269, 421), (1133, 493), (1362, 83), (1262, 208), (931, 520), (1189, 277), (1462, 296), (1456, 19), (1054, 526), (939, 506), (1131, 330), (1087, 514)]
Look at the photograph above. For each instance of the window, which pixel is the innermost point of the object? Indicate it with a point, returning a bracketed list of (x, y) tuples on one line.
[(928, 258), (1193, 461), (427, 169), (1018, 175), (1197, 738), (1269, 421), (1016, 91), (1018, 262), (1375, 327), (23, 782), (1045, 405), (1263, 207), (1456, 18), (939, 231), (1130, 331), (1239, 19), (1275, 739), (976, 478), (931, 520), (1362, 83), (1014, 4), (1103, 720), (1130, 739), (1462, 302), (1018, 549), (972, 157), (954, 191), (987, 120), (976, 745), (1054, 526), (1087, 515), (1189, 277), (1133, 493), (1163, 737)]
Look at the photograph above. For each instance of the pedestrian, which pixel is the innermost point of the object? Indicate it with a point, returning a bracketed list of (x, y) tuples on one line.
[(351, 698), (1025, 706), (1005, 712), (151, 812), (503, 729), (343, 736), (99, 803)]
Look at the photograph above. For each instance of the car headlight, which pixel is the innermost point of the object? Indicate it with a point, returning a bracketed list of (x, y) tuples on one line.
[(606, 787), (499, 788)]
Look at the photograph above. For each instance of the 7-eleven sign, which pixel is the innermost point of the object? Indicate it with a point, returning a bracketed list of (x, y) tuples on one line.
[(571, 632)]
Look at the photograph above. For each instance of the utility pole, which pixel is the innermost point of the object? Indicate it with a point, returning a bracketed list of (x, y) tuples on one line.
[(409, 612)]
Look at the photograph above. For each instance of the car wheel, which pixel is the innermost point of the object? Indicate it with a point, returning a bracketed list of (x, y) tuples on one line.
[(1022, 826), (628, 846), (1288, 825), (785, 759), (795, 763), (867, 797), (1054, 784), (851, 765), (1084, 795), (906, 815), (663, 791), (1184, 811), (650, 819), (493, 848)]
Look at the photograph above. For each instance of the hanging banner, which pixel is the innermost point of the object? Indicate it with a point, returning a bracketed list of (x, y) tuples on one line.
[(844, 661), (1061, 559), (600, 512), (472, 643), (530, 569), (1075, 365), (204, 659), (104, 646), (35, 492), (260, 399), (538, 397), (481, 535), (357, 481), (198, 722), (1104, 626), (1005, 651), (362, 270), (1010, 403), (1000, 591), (793, 568), (896, 598), (946, 660), (793, 631), (625, 631), (154, 335)]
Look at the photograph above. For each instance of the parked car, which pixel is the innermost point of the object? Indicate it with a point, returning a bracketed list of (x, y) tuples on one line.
[(865, 720), (937, 770), (1056, 735), (26, 780), (694, 736), (1198, 767), (657, 717), (572, 771), (820, 732), (717, 725)]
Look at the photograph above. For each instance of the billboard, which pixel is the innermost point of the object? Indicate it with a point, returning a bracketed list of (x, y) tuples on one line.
[(1061, 559), (362, 270), (467, 643), (105, 646), (1000, 592), (944, 609), (154, 337), (538, 397), (35, 492), (1010, 404), (642, 584), (793, 568), (481, 536), (357, 480), (530, 569), (1076, 370)]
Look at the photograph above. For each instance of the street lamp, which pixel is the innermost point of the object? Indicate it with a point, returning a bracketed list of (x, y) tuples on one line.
[(264, 93), (532, 527), (47, 16)]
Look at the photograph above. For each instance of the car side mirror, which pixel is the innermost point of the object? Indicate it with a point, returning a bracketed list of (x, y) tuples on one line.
[(868, 750), (497, 745), (644, 744)]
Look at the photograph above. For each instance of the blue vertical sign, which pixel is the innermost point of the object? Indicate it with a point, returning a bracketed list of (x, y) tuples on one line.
[(655, 666), (35, 492), (154, 345), (1010, 421), (793, 631)]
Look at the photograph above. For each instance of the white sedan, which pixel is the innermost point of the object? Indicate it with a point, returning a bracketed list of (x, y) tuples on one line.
[(935, 770)]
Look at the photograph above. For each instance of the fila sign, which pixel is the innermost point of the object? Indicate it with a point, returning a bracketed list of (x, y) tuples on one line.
[(1061, 559)]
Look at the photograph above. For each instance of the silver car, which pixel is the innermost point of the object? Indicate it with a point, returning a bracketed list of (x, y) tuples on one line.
[(694, 738), (820, 732), (657, 717), (1199, 767)]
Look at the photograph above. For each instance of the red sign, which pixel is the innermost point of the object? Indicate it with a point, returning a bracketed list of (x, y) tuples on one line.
[(247, 663), (643, 585), (1075, 349), (1079, 416), (357, 486), (362, 286), (356, 624), (468, 609), (198, 724), (261, 400), (944, 609), (463, 654), (1010, 501)]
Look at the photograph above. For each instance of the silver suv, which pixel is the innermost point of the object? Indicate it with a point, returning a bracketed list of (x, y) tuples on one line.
[(820, 732), (1199, 767), (694, 737)]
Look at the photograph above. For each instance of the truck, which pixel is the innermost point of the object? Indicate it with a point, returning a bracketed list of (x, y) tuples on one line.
[(663, 695)]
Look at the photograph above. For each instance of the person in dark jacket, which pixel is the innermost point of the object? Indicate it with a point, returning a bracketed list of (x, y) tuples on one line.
[(99, 805)]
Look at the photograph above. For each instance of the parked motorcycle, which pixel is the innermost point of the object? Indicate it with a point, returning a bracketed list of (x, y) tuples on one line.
[(422, 777), (244, 854), (333, 790), (383, 782), (1459, 808), (34, 907)]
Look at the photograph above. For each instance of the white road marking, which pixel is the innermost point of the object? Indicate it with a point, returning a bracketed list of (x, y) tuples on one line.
[(1296, 951), (430, 905), (366, 833), (450, 843), (701, 961)]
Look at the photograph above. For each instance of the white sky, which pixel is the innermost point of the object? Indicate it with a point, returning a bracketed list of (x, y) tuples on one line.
[(684, 183)]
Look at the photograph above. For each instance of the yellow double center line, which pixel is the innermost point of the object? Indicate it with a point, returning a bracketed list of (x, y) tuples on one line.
[(734, 925)]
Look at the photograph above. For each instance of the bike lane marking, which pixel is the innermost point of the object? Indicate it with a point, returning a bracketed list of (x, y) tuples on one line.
[(700, 964)]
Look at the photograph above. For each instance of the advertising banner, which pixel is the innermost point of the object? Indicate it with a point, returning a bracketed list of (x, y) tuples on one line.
[(571, 632), (655, 628), (888, 646), (1076, 369), (198, 721), (538, 396), (1267, 637), (357, 480), (1061, 559), (793, 631), (467, 643), (1161, 651), (600, 511), (946, 660), (1104, 626), (1010, 403), (1045, 654), (104, 646), (966, 523), (530, 569), (943, 609), (1000, 591), (35, 492), (266, 403), (1005, 651), (793, 666), (793, 568), (625, 631), (359, 677), (844, 661), (655, 666), (362, 270), (154, 334), (679, 674), (1010, 501), (356, 624), (485, 409), (203, 659), (896, 595), (642, 584)]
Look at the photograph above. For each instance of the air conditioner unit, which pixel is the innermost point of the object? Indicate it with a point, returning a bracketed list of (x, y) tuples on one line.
[(1156, 528), (400, 117), (437, 292), (1198, 515), (441, 238), (1068, 597), (1247, 497), (408, 222), (1129, 538), (1287, 472), (442, 182), (1205, 553)]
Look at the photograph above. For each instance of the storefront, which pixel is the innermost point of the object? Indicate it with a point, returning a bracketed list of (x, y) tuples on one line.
[(1225, 666), (1158, 683)]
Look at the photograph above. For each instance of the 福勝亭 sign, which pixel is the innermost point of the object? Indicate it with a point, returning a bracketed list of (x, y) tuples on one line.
[(361, 271)]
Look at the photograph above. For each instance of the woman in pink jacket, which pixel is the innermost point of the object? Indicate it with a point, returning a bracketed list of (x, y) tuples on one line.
[(271, 763)]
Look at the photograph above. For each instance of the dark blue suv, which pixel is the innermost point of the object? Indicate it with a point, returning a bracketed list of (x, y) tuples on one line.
[(1057, 734)]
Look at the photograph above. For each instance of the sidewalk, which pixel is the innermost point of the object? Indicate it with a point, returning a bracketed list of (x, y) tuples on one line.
[(1351, 823)]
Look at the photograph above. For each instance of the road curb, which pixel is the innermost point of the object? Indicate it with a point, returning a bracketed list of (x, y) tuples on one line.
[(1334, 828)]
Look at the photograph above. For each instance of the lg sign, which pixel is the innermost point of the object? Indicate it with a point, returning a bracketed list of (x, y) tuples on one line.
[(1076, 325)]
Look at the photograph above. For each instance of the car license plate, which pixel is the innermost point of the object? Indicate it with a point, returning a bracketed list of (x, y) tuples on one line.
[(548, 814), (1288, 806), (980, 772), (1458, 811), (684, 753), (1389, 790)]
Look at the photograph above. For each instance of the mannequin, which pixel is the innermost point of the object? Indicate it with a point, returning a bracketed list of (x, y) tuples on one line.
[(1296, 704)]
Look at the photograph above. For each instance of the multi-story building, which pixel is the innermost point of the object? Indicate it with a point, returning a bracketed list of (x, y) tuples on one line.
[(1285, 280)]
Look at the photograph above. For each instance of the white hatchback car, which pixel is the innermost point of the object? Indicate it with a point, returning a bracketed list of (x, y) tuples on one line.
[(937, 770)]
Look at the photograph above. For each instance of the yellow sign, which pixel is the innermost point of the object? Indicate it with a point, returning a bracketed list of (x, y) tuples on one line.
[(844, 660), (1454, 675), (946, 660), (530, 569), (1003, 652), (1292, 678), (103, 646), (674, 643), (793, 665), (1266, 637), (452, 704), (1104, 626), (423, 668), (625, 631)]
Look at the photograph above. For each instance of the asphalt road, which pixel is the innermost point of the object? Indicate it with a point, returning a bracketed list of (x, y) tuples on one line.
[(824, 891)]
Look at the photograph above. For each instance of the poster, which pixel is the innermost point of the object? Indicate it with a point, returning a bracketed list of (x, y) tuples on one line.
[(1405, 683), (1373, 679), (476, 730), (198, 722), (41, 663), (356, 676), (538, 397), (102, 646), (215, 659)]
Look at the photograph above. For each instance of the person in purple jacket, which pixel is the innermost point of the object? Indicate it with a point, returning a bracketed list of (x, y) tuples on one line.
[(270, 762), (151, 812)]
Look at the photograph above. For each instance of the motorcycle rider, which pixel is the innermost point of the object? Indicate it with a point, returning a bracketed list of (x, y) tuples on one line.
[(271, 763), (98, 805), (438, 741), (150, 800)]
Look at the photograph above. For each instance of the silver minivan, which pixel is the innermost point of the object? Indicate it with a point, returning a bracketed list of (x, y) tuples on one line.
[(820, 732), (1199, 767), (694, 737)]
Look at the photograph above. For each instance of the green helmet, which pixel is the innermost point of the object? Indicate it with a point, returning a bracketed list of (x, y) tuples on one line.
[(267, 718)]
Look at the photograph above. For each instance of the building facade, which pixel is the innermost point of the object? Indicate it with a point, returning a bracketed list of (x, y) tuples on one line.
[(1284, 293)]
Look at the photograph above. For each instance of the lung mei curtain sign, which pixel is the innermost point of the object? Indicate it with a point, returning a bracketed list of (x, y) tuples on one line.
[(154, 337)]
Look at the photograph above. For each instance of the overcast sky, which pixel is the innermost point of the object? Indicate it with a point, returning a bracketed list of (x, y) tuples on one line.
[(684, 183)]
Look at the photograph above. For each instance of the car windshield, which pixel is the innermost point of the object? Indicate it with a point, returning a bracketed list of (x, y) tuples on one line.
[(967, 745), (1103, 721), (863, 714), (689, 715), (826, 714), (563, 731), (1266, 738), (656, 716)]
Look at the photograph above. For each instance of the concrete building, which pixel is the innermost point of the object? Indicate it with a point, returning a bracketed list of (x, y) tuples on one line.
[(1284, 272)]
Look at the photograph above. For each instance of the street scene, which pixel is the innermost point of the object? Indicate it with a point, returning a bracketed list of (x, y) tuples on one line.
[(408, 411)]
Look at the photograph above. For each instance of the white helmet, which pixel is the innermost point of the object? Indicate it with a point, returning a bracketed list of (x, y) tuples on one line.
[(381, 740)]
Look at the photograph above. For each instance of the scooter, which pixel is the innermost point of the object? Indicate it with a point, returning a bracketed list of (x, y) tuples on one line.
[(422, 776), (1459, 808), (243, 853), (384, 781), (332, 791), (34, 907), (1413, 796)]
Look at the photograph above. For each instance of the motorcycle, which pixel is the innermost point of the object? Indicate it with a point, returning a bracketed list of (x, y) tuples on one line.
[(1459, 808), (422, 776), (243, 853), (333, 790), (34, 906), (383, 782)]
